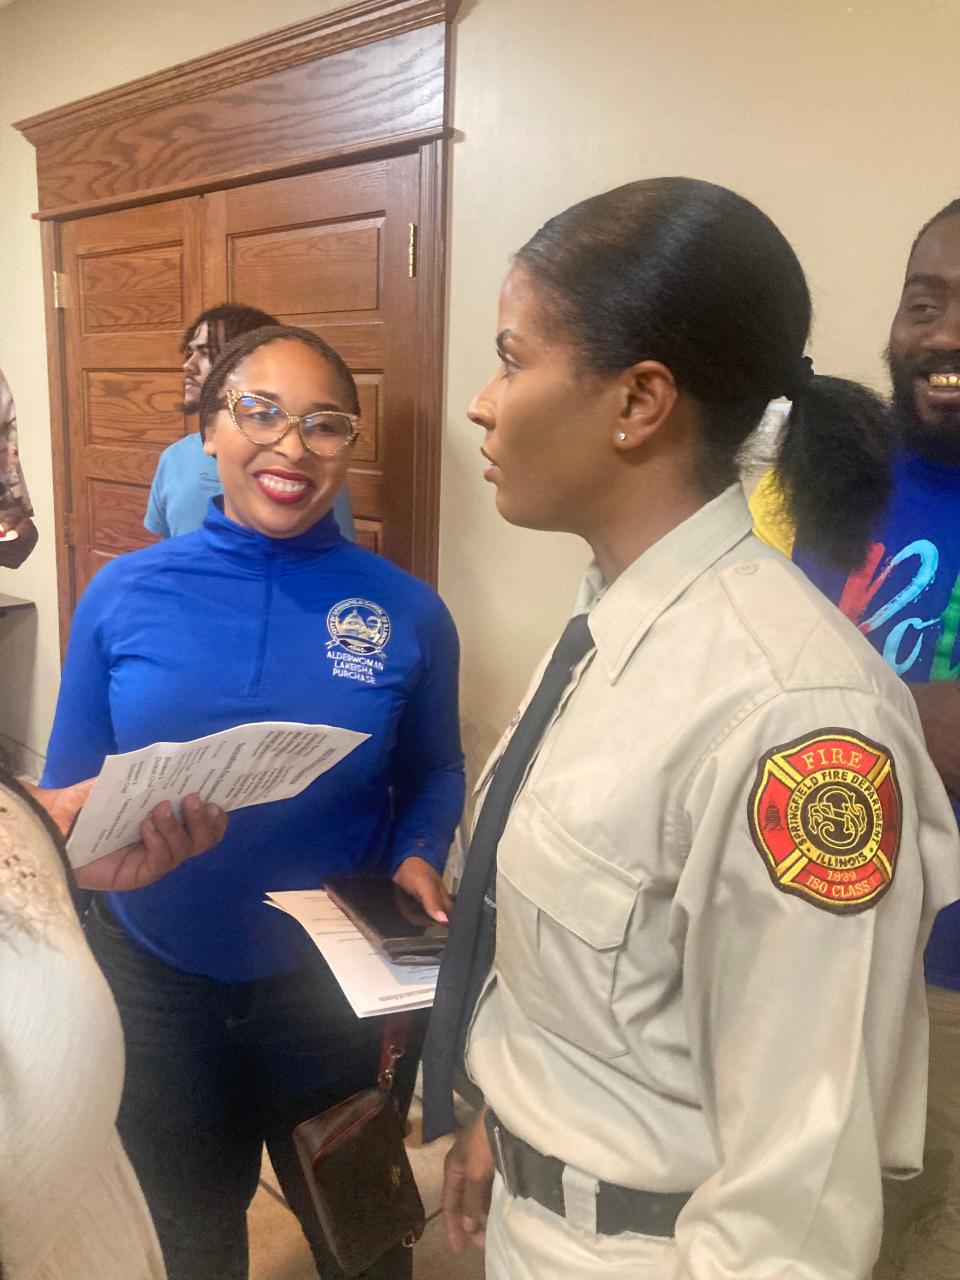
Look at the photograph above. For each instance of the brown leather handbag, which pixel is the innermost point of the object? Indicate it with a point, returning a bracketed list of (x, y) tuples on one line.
[(358, 1170)]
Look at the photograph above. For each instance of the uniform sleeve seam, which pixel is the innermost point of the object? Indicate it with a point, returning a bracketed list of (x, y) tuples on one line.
[(784, 677), (744, 713), (750, 709), (778, 675)]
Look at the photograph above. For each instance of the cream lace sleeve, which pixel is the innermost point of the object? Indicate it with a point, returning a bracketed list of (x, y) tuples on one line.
[(34, 897)]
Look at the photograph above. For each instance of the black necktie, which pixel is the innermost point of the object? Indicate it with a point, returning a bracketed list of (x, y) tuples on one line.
[(468, 953)]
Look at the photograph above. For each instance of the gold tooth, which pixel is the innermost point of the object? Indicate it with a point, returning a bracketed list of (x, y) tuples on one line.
[(944, 380)]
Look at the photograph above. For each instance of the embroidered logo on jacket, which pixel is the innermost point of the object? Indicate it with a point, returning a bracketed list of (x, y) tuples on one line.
[(359, 626), (359, 631), (825, 816)]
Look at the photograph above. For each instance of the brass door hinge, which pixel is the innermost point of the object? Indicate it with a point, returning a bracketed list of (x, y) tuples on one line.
[(412, 250), (69, 529), (59, 290)]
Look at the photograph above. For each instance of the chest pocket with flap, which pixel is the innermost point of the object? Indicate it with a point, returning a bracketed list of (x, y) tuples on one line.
[(562, 915)]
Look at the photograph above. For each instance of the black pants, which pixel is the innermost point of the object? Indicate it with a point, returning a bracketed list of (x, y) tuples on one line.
[(213, 1072)]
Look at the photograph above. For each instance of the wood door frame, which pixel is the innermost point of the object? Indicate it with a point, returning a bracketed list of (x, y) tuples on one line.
[(401, 45), (64, 534)]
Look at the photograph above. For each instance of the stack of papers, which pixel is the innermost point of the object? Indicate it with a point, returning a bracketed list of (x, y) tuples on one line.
[(249, 764), (372, 983)]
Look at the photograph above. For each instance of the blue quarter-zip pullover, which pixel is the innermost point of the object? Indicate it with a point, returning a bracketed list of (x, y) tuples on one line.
[(226, 626)]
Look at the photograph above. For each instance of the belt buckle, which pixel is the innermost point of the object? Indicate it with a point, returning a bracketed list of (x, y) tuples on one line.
[(505, 1170)]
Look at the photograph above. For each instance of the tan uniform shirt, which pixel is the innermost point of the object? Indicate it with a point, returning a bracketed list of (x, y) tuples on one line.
[(672, 1008)]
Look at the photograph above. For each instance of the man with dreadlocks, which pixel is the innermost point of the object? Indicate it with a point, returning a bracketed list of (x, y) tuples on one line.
[(186, 478), (905, 599)]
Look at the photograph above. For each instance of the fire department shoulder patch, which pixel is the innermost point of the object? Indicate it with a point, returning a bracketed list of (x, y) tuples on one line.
[(825, 815)]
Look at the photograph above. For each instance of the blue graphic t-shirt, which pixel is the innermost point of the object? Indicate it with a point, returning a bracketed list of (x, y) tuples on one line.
[(906, 600)]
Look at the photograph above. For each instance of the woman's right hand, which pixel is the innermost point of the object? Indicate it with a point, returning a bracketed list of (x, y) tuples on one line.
[(467, 1185), (164, 843)]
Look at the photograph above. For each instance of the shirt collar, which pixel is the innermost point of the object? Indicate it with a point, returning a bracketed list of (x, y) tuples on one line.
[(622, 614), (248, 547)]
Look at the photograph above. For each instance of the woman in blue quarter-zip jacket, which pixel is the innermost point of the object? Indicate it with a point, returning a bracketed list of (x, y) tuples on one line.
[(235, 1030)]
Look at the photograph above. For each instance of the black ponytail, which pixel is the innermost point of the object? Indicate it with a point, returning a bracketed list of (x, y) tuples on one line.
[(696, 277), (833, 468)]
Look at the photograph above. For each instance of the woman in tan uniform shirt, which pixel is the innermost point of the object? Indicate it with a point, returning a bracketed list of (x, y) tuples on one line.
[(702, 1036)]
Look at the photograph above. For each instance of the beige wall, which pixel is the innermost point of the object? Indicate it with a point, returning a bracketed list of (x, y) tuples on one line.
[(829, 113), (832, 114)]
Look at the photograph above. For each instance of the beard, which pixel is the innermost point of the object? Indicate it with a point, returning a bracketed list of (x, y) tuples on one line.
[(937, 435)]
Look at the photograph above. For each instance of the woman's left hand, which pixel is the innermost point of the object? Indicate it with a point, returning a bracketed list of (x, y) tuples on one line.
[(416, 877), (61, 803), (163, 846)]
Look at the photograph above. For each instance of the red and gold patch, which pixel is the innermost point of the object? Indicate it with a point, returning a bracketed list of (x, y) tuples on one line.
[(825, 815)]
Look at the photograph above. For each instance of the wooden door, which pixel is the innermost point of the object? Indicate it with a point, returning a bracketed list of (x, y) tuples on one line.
[(132, 281), (281, 103), (331, 251)]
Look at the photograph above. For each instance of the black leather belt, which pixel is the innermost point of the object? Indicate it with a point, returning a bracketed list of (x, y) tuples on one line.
[(528, 1173)]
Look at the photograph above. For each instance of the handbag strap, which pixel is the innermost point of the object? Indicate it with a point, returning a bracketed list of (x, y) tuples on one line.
[(392, 1048)]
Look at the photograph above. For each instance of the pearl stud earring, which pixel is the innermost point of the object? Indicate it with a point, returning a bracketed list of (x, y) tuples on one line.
[(621, 435)]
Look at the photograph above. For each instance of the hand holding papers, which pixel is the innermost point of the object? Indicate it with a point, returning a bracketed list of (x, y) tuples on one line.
[(371, 983), (249, 764)]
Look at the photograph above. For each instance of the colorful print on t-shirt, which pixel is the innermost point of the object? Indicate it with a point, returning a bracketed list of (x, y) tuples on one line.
[(906, 597), (906, 601)]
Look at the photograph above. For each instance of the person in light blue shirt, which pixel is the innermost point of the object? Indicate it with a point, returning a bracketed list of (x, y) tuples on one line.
[(186, 478)]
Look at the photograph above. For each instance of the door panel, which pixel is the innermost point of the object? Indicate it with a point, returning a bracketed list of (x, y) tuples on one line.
[(130, 289), (115, 509), (134, 283), (146, 404), (369, 534), (328, 251), (366, 447), (338, 263)]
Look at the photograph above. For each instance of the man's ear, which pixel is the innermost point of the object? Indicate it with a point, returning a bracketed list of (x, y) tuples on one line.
[(209, 448), (647, 394)]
